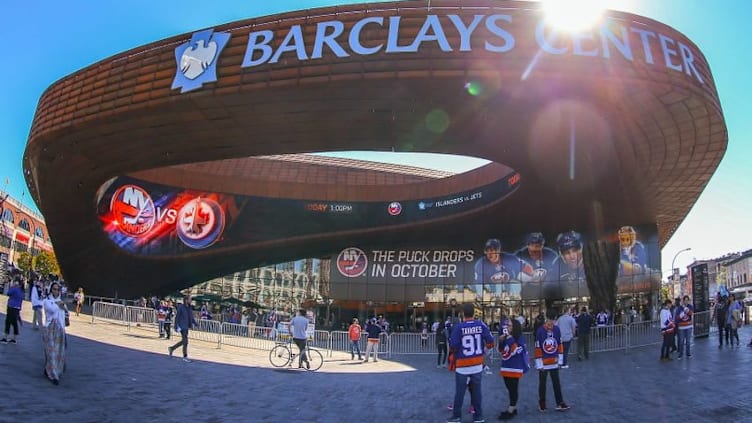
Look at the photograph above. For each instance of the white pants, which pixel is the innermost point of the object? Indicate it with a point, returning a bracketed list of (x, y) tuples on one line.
[(373, 345)]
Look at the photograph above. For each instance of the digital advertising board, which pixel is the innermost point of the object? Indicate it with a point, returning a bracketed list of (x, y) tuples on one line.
[(505, 269), (151, 219)]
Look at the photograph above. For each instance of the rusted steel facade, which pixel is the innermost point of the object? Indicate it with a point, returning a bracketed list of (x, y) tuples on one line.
[(622, 125)]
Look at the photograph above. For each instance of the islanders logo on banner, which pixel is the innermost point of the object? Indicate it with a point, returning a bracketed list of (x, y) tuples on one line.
[(200, 222), (133, 210), (352, 262)]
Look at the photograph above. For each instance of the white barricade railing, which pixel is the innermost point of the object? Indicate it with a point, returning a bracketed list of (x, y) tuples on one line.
[(642, 334), (321, 340), (207, 331), (412, 343), (249, 336), (109, 312), (602, 339), (340, 341), (141, 317)]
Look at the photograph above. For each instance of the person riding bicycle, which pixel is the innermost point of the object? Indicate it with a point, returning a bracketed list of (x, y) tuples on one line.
[(298, 326)]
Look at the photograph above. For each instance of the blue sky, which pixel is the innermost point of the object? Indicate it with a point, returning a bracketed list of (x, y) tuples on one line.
[(44, 41)]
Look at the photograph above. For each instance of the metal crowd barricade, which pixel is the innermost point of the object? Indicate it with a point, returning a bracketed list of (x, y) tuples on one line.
[(340, 341), (242, 336), (141, 317), (321, 340), (608, 338), (411, 343), (109, 312), (207, 331), (642, 334)]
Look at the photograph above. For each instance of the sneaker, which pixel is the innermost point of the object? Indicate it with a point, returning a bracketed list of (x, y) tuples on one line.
[(479, 421), (450, 407), (689, 355), (186, 359), (542, 406), (169, 350), (506, 415), (562, 406), (566, 366), (308, 365), (12, 341), (455, 420), (4, 341), (679, 357)]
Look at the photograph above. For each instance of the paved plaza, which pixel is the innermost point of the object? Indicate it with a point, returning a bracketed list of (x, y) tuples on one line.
[(116, 375)]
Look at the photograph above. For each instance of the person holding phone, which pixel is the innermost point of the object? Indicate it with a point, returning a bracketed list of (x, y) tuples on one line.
[(53, 335)]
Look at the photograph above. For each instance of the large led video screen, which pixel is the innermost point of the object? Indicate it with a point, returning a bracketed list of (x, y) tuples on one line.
[(151, 219), (528, 267)]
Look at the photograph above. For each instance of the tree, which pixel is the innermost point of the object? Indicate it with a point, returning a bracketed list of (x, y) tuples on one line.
[(23, 261), (46, 263)]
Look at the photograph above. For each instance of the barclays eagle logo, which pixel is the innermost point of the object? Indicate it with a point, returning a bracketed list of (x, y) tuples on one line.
[(197, 60)]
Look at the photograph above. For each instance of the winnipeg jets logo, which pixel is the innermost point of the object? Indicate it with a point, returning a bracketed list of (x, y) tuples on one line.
[(200, 223), (197, 60)]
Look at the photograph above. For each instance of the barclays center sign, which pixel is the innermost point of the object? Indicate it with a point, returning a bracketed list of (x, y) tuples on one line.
[(196, 60)]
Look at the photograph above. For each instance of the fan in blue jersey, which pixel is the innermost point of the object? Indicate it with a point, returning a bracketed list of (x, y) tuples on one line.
[(500, 272), (633, 258)]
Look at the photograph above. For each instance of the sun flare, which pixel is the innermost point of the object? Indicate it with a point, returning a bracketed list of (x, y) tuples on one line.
[(573, 15)]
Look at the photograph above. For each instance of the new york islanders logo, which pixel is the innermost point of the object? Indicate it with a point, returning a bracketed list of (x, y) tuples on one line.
[(133, 210), (550, 346), (197, 60), (395, 208), (200, 223), (352, 262)]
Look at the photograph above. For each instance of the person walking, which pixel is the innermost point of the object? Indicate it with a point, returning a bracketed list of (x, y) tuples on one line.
[(13, 312), (298, 327), (685, 326), (79, 298), (441, 346), (549, 355), (734, 320), (37, 301), (720, 315), (467, 343), (374, 331), (584, 323), (513, 362), (53, 334), (184, 321), (354, 333), (667, 330), (567, 326)]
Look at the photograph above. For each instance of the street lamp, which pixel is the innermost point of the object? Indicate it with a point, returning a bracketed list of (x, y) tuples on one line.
[(674, 274)]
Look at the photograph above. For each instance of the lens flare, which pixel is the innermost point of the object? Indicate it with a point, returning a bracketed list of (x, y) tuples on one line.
[(474, 88), (437, 121), (573, 15)]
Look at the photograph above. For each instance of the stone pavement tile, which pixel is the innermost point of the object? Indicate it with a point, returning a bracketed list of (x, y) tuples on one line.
[(118, 376)]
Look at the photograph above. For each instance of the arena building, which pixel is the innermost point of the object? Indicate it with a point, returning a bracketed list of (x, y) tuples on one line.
[(182, 160)]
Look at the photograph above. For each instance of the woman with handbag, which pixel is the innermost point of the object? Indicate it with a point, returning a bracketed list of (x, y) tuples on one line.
[(514, 362), (53, 335)]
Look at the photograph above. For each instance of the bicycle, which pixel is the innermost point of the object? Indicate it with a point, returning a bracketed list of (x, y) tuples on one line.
[(282, 355)]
